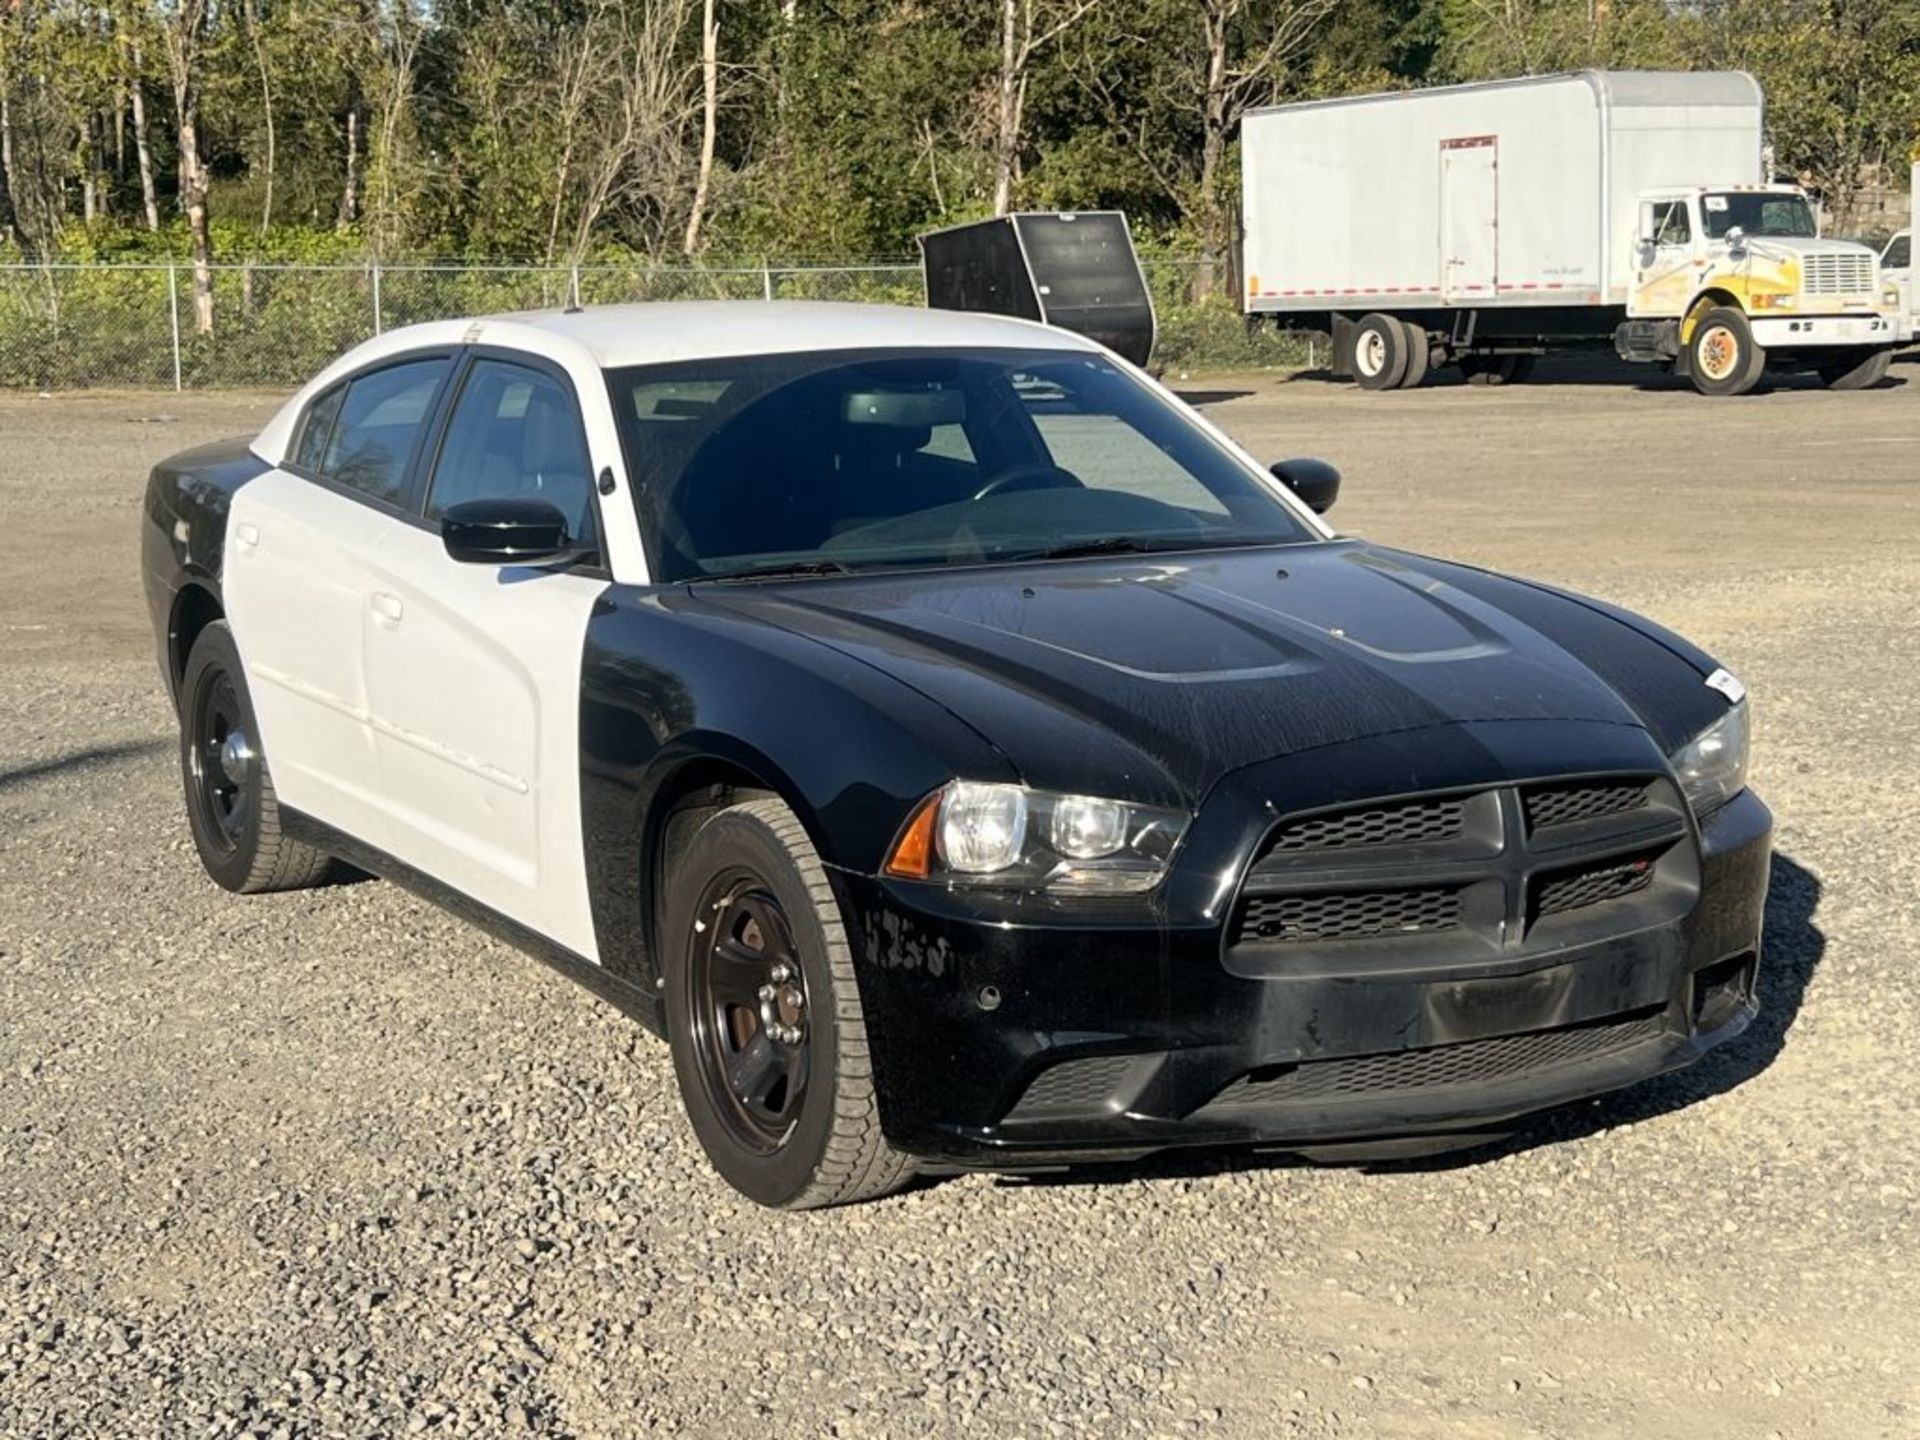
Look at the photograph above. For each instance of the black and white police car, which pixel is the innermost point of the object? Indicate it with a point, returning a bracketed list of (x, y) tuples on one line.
[(960, 750)]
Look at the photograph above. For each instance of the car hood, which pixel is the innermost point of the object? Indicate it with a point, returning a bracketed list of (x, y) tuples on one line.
[(1158, 675)]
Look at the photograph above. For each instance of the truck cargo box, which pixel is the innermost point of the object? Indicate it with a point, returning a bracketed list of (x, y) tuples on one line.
[(1516, 193), (1078, 271)]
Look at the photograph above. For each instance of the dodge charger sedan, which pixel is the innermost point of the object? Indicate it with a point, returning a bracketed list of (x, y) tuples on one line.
[(961, 751)]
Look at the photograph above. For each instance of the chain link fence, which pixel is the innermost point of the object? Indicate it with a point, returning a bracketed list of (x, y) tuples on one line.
[(72, 326)]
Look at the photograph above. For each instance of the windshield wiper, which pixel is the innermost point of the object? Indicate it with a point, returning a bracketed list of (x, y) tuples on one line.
[(784, 570), (1132, 545)]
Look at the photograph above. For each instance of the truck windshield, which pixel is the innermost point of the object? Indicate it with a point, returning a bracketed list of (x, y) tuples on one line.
[(1788, 216)]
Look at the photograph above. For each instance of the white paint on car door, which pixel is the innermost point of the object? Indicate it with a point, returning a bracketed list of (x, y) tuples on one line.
[(473, 674), (473, 670)]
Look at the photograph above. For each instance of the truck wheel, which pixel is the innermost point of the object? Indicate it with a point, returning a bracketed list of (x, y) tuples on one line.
[(1722, 356), (231, 808), (764, 1019), (1379, 357), (1419, 355), (1852, 371)]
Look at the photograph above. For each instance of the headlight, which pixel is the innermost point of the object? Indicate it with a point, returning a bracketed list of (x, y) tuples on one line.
[(1010, 837), (1775, 302), (1890, 297), (1712, 766)]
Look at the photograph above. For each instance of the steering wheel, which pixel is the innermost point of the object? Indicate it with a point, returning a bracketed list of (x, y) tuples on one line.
[(1034, 475)]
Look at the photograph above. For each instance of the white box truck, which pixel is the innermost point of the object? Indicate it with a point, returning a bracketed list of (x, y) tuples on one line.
[(1482, 225)]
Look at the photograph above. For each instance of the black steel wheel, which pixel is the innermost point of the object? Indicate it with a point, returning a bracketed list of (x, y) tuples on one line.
[(764, 1018), (231, 807), (748, 1018)]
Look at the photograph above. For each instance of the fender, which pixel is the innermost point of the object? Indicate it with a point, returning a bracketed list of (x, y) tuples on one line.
[(673, 700)]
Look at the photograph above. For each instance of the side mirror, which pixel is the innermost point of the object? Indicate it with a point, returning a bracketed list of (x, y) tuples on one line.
[(1644, 253), (1315, 481), (507, 532), (1736, 241)]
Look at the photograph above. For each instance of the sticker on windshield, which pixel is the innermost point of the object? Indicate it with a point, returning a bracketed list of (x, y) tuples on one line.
[(1728, 684), (1716, 203)]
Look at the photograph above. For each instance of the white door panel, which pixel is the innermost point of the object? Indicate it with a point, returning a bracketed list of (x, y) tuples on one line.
[(295, 583), (1469, 219), (473, 678)]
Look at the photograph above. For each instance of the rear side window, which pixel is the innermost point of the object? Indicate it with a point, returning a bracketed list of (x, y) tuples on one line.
[(380, 416), (318, 429)]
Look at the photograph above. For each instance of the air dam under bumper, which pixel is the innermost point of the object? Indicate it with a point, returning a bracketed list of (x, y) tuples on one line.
[(1002, 1045), (1788, 332)]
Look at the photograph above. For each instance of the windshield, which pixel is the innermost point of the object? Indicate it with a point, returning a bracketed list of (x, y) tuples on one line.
[(1788, 216), (817, 463)]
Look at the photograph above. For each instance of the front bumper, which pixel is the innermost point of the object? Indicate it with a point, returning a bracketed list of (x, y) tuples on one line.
[(1810, 331), (1001, 1043)]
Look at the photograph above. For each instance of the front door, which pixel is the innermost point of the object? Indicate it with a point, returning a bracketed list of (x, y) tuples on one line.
[(1469, 219), (1664, 273), (473, 671)]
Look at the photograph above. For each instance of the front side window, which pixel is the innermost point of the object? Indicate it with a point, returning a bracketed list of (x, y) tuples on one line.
[(379, 420), (1899, 253), (864, 460), (515, 434), (1671, 223), (1758, 213)]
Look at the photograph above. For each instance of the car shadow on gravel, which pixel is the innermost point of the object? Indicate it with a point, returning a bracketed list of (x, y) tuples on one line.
[(1792, 951), (92, 757)]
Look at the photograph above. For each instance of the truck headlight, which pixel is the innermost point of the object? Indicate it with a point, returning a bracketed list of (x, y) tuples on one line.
[(1890, 297), (1712, 767), (1009, 837), (1775, 302)]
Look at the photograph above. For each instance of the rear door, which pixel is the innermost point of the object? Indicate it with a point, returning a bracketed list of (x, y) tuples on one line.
[(1469, 219), (473, 671), (297, 579)]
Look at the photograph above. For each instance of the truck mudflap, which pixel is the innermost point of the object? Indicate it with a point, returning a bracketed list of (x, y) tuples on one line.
[(1808, 331)]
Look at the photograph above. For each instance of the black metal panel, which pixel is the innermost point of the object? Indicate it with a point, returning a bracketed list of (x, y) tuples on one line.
[(1077, 271)]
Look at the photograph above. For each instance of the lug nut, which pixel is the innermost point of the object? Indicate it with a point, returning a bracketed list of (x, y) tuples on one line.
[(781, 972), (767, 992)]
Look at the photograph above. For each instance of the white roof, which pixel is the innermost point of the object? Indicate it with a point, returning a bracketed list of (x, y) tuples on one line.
[(657, 332), (608, 337)]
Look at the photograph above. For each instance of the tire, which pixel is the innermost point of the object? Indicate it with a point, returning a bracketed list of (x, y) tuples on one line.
[(1855, 373), (1722, 358), (1378, 358), (755, 945), (1419, 355), (231, 806)]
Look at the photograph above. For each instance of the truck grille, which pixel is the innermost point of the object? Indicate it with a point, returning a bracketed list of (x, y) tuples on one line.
[(1836, 274), (1437, 878)]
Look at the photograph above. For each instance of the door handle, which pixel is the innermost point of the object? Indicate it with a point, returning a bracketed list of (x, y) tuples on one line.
[(387, 609), (247, 534)]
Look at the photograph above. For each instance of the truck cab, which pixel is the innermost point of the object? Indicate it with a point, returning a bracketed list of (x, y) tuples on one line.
[(1727, 280)]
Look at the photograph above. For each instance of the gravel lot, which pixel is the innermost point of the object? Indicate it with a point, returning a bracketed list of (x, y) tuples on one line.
[(334, 1164)]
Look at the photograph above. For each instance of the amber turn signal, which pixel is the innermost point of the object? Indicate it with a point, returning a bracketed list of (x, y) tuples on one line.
[(912, 855)]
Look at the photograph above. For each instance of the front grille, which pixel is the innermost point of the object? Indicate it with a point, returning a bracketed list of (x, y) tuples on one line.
[(1550, 805), (1837, 274), (1412, 822), (1073, 1087), (1349, 914), (1584, 885), (1467, 1063)]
